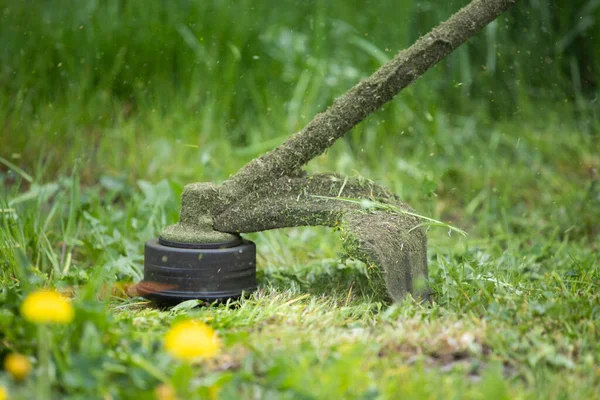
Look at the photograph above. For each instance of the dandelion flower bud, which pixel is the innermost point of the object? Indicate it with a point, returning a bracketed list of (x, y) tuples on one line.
[(17, 366)]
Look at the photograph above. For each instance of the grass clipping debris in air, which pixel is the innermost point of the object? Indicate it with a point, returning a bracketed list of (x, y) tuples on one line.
[(273, 192)]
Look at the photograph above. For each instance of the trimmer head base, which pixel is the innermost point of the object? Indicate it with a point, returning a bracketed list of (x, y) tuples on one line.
[(175, 273)]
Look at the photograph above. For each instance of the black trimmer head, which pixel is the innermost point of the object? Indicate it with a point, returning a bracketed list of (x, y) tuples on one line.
[(175, 272)]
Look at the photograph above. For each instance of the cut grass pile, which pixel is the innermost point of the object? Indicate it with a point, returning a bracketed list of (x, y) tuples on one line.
[(93, 168)]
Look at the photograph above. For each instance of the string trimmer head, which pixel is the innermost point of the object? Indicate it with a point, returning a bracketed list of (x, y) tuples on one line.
[(175, 272)]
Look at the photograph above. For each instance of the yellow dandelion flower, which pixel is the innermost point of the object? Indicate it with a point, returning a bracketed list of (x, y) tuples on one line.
[(165, 392), (17, 366), (3, 393), (191, 340), (46, 306)]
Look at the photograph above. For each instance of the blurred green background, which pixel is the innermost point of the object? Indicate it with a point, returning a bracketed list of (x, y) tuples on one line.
[(261, 69)]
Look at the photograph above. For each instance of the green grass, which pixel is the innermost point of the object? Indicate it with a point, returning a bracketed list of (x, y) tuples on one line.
[(108, 109)]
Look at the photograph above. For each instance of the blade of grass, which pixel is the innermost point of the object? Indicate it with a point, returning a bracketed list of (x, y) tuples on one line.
[(376, 205), (18, 170)]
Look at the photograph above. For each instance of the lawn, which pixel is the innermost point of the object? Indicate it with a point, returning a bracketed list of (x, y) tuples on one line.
[(107, 109)]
